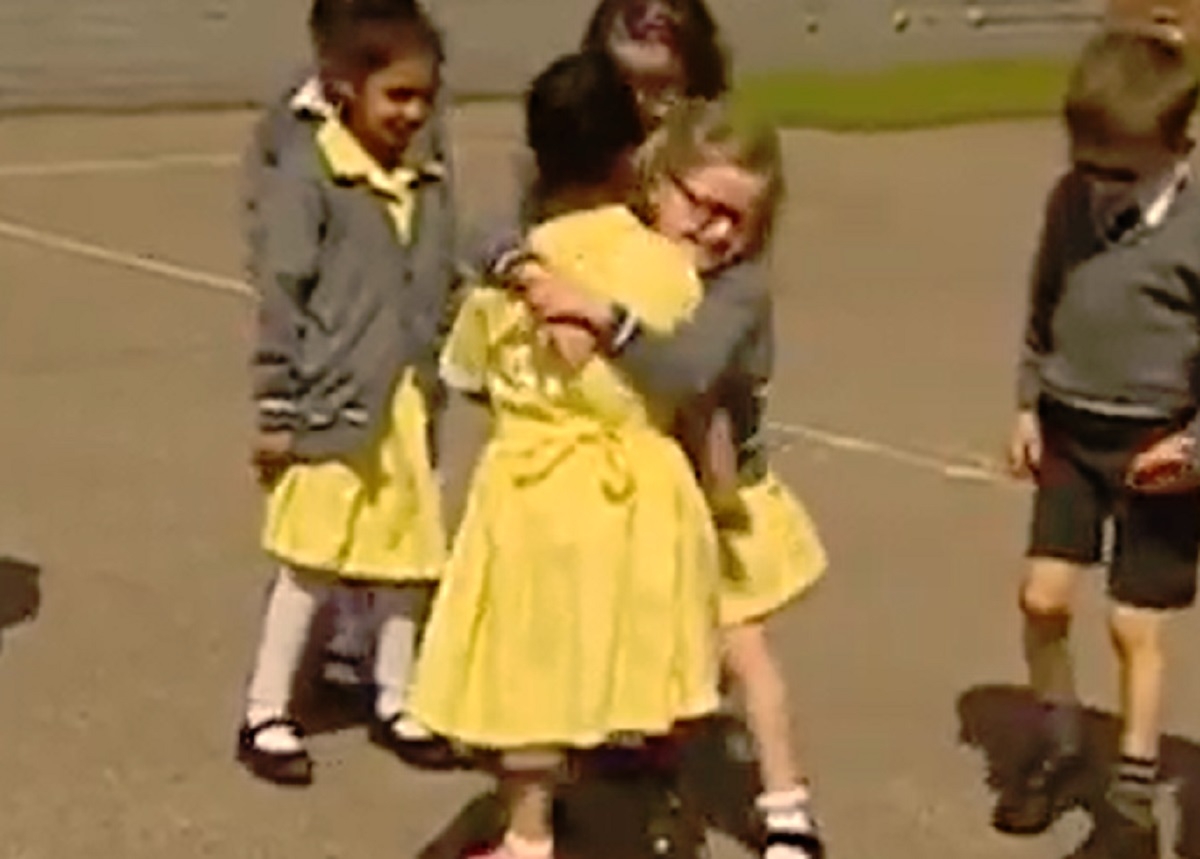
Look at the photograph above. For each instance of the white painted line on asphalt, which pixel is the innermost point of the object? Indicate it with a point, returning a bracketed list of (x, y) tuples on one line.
[(959, 470), (947, 468), (116, 165), (109, 256)]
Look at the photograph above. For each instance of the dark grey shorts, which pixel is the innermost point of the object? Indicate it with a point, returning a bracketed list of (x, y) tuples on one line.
[(1081, 486)]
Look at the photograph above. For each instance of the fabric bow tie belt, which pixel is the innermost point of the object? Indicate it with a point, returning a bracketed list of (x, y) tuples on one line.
[(535, 448)]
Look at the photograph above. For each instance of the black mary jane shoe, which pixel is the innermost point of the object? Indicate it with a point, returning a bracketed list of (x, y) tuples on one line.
[(427, 752), (803, 843), (289, 769)]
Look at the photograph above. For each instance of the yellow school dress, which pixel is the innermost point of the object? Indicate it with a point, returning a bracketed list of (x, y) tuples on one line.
[(373, 516), (772, 557), (579, 599)]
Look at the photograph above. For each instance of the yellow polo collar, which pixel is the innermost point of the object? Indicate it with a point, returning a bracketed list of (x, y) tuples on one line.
[(348, 160)]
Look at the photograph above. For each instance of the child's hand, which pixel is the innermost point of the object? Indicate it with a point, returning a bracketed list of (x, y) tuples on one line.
[(550, 296), (1025, 446), (1165, 467), (574, 344), (271, 456)]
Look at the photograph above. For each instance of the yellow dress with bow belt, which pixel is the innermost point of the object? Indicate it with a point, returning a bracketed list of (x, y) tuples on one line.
[(375, 515), (579, 599)]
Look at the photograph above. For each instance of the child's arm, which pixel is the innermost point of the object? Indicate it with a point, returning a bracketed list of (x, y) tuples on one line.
[(285, 237), (1045, 290), (674, 365), (706, 432)]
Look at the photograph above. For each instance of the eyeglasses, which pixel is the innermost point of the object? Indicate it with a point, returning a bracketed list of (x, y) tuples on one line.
[(710, 210)]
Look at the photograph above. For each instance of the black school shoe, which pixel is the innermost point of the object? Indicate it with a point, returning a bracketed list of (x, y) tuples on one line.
[(1116, 835), (1129, 829), (432, 752), (1041, 789), (288, 769), (806, 844)]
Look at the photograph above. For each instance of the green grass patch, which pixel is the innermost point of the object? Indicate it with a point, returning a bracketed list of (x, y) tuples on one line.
[(913, 96)]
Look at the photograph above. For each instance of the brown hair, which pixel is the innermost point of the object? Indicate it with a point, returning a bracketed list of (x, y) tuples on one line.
[(705, 61), (354, 37), (1131, 86), (697, 132)]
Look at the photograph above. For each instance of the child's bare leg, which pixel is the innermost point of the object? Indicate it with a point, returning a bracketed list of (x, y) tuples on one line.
[(1030, 800), (1137, 638), (527, 785), (785, 802), (749, 658), (1047, 595)]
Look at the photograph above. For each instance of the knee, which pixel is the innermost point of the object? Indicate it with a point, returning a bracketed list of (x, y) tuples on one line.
[(1046, 594), (1043, 604)]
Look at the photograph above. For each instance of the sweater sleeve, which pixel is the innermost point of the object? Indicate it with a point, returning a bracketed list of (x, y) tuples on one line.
[(287, 232), (1045, 289), (688, 360)]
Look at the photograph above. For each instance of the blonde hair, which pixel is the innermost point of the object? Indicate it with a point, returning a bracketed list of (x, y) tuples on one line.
[(696, 132), (1131, 85)]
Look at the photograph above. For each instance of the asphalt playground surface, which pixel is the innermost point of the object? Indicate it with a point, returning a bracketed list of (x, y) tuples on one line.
[(131, 584)]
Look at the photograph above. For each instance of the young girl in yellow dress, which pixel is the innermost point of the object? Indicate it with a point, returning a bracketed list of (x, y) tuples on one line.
[(579, 600), (717, 182), (348, 244), (300, 110)]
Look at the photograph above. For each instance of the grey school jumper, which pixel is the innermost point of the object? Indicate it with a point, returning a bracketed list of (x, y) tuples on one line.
[(345, 307), (1114, 326), (727, 345)]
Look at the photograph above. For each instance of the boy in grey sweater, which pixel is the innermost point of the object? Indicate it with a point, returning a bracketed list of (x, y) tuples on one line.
[(1107, 392)]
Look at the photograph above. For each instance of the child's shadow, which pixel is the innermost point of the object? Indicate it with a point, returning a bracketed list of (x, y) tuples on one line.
[(999, 721), (20, 593), (623, 804)]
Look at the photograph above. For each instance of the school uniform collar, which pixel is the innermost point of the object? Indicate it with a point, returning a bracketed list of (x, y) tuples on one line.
[(350, 163), (348, 160), (310, 101), (1151, 207)]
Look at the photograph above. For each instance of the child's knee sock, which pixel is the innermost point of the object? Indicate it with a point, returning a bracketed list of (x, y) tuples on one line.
[(1132, 788), (290, 610), (789, 819), (397, 610)]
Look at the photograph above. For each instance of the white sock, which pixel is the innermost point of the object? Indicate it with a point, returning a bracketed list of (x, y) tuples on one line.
[(523, 848), (291, 607), (398, 609), (277, 739), (787, 811)]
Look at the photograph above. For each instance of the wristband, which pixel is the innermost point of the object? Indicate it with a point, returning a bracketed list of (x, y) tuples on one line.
[(626, 328), (509, 262)]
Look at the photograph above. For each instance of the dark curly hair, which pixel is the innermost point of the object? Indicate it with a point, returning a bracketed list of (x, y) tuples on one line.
[(580, 119), (705, 59)]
